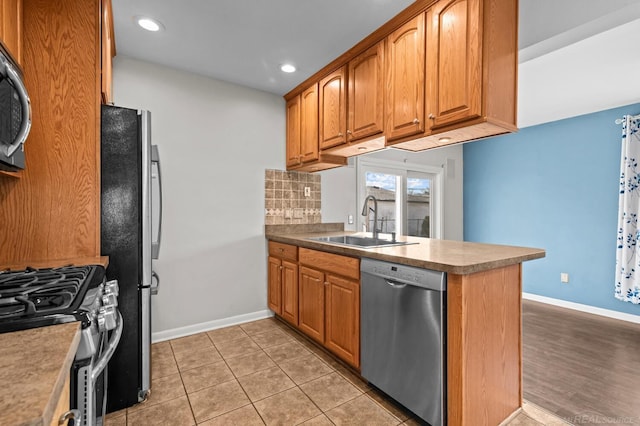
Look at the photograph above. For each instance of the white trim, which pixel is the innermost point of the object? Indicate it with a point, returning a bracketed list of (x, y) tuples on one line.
[(583, 308), (437, 193), (174, 333)]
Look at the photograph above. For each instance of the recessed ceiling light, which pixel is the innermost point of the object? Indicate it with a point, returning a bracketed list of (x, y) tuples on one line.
[(148, 24), (444, 139), (288, 68)]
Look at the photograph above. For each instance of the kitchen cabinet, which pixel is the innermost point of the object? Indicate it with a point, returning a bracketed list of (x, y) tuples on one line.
[(329, 306), (333, 109), (483, 313), (282, 293), (302, 134), (352, 105), (342, 312), (108, 51), (311, 314), (471, 73), (438, 73), (57, 198), (302, 127), (11, 27), (405, 97), (293, 132)]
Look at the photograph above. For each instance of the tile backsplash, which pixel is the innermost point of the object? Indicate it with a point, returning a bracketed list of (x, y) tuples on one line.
[(291, 197)]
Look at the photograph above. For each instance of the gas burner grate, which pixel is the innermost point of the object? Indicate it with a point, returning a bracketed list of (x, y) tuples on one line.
[(35, 292)]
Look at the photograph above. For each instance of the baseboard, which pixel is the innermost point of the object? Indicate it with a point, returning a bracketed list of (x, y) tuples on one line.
[(583, 308), (174, 333)]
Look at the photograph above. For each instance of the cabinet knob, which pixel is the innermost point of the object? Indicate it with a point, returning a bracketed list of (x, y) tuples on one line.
[(326, 283), (281, 268), (340, 134), (432, 117), (416, 121)]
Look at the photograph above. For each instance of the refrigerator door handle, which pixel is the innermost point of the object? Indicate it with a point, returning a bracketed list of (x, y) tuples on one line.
[(155, 245), (155, 288)]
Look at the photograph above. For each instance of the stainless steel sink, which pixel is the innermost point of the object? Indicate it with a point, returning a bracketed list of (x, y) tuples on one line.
[(360, 241)]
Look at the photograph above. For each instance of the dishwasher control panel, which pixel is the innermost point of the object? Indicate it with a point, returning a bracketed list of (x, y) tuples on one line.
[(426, 278)]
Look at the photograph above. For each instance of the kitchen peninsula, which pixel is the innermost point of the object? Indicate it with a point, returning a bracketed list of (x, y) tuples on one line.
[(483, 308)]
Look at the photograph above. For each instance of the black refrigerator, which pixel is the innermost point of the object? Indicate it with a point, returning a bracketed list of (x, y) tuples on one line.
[(130, 235)]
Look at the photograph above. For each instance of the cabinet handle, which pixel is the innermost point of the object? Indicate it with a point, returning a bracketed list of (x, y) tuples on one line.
[(340, 134), (281, 268), (416, 121), (348, 132), (71, 414), (326, 283), (432, 117)]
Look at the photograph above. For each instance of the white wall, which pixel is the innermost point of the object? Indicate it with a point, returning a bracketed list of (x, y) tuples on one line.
[(215, 140), (339, 187)]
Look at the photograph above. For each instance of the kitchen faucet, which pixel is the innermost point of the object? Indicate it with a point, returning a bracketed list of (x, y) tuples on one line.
[(365, 212)]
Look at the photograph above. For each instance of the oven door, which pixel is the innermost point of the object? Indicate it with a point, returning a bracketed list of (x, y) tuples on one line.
[(90, 378)]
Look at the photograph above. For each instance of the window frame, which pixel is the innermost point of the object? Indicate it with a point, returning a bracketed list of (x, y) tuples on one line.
[(364, 165)]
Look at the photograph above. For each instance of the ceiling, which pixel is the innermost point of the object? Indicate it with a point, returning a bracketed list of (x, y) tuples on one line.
[(246, 41)]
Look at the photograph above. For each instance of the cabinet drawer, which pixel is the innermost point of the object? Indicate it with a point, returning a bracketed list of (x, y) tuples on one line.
[(283, 251), (335, 263)]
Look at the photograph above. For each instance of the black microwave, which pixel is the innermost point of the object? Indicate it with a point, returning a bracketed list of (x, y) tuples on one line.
[(15, 114)]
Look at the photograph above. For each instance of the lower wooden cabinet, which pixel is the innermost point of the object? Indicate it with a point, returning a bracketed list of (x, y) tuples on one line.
[(282, 291), (311, 303), (342, 318), (319, 293), (329, 305)]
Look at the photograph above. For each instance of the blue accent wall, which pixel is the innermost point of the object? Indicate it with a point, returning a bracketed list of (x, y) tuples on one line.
[(553, 186)]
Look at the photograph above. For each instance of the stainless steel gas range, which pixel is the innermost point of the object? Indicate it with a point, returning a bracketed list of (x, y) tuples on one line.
[(42, 297)]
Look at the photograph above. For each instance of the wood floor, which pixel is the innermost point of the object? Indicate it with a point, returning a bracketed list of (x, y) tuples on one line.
[(582, 367)]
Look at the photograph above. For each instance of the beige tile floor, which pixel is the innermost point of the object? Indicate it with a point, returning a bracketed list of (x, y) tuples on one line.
[(263, 373)]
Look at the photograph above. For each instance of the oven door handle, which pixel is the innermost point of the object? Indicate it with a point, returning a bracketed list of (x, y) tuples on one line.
[(108, 353)]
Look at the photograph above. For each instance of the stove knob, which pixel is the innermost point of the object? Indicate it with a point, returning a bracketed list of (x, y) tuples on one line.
[(109, 299), (112, 287), (107, 318)]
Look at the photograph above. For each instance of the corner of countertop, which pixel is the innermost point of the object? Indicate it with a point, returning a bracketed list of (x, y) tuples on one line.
[(303, 228)]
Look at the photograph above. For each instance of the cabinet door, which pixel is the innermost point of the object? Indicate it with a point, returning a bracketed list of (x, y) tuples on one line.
[(11, 27), (311, 303), (289, 281), (333, 109), (342, 335), (454, 62), (274, 289), (108, 47), (309, 124), (293, 132), (405, 99), (366, 93)]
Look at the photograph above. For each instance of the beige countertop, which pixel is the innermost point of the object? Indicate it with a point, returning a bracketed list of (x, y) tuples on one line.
[(34, 365), (455, 257)]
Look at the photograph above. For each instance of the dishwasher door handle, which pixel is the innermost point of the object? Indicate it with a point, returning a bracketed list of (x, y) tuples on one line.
[(395, 284)]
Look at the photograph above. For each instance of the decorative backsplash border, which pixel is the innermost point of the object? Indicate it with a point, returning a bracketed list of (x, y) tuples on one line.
[(291, 197)]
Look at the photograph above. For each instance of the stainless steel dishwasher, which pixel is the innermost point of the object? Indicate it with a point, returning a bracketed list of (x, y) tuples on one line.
[(403, 320)]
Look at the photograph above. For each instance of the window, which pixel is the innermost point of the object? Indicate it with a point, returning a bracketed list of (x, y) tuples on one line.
[(408, 196)]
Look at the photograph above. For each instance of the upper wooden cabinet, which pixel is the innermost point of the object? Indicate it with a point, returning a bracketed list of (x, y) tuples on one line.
[(61, 61), (366, 93), (333, 109), (352, 105), (405, 97), (454, 62), (471, 72), (11, 27), (302, 134), (108, 47), (309, 124), (450, 76), (293, 132)]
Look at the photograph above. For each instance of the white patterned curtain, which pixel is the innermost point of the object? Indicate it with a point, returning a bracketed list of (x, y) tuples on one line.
[(628, 249)]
